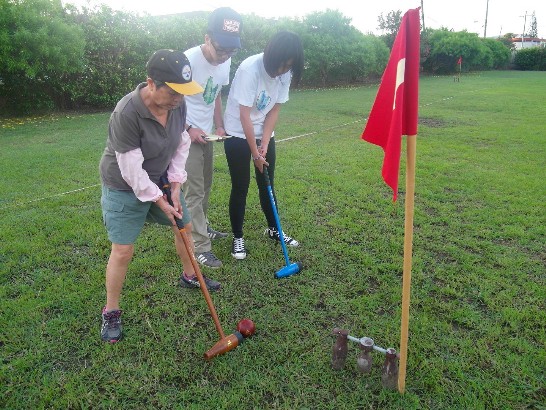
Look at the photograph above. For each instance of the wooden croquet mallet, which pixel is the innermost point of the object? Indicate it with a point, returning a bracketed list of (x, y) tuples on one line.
[(225, 344)]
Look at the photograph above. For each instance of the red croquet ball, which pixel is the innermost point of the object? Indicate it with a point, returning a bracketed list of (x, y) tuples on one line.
[(246, 327)]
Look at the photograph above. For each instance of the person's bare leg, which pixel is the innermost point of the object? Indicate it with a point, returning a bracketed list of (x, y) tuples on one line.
[(181, 249), (116, 270)]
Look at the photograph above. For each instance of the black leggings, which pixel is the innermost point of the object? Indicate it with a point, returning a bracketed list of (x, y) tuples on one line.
[(238, 158)]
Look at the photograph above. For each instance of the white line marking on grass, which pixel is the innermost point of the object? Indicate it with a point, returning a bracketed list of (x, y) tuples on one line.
[(218, 155), (48, 197)]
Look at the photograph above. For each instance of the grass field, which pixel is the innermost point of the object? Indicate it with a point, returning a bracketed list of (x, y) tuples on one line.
[(477, 328)]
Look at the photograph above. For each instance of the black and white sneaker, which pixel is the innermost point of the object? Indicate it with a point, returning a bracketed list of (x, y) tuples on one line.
[(208, 259), (215, 234), (272, 233), (238, 250), (193, 282)]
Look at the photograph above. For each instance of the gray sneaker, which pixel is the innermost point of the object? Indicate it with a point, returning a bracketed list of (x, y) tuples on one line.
[(208, 259), (193, 283), (215, 234), (111, 326)]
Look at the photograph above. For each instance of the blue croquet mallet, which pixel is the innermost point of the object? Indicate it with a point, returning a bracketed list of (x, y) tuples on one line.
[(290, 268)]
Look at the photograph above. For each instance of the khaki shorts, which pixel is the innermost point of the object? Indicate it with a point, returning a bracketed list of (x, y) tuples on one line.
[(124, 215)]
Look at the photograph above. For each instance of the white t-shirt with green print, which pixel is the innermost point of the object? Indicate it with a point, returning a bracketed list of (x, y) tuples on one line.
[(253, 87), (211, 78)]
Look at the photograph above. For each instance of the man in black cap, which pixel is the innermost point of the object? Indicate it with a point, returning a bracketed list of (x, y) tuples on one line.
[(211, 62), (146, 138)]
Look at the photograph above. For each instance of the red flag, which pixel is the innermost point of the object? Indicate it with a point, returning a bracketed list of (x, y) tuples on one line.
[(394, 112), (460, 60)]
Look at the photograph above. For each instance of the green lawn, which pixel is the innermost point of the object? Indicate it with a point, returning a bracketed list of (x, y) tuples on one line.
[(477, 327)]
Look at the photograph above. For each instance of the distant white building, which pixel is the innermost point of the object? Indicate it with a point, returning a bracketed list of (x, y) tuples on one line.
[(528, 42)]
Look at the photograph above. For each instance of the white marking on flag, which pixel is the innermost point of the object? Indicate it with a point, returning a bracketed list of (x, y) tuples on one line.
[(400, 74)]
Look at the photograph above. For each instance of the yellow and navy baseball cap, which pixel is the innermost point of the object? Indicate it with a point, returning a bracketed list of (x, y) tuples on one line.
[(173, 68)]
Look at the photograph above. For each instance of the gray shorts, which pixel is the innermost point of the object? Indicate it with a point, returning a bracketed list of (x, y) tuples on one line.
[(124, 215)]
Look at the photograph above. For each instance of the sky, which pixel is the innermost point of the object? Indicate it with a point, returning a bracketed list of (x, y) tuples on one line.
[(503, 16)]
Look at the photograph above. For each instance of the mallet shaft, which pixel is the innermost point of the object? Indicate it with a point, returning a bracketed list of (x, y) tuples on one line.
[(202, 283), (166, 188)]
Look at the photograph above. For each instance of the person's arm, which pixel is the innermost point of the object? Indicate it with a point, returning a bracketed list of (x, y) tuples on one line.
[(269, 126), (196, 134), (177, 167), (176, 173), (218, 116), (248, 128), (130, 165)]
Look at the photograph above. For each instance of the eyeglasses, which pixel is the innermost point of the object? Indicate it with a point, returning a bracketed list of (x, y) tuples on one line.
[(224, 51)]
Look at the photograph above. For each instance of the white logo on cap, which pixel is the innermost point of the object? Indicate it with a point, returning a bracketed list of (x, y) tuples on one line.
[(231, 26), (186, 72)]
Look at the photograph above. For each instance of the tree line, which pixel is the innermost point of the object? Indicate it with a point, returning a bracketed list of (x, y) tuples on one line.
[(61, 57)]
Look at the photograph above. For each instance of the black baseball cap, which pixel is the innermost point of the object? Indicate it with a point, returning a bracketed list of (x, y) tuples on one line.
[(225, 26), (173, 68)]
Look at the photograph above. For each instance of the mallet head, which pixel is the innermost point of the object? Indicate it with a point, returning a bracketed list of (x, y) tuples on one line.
[(224, 345), (289, 270)]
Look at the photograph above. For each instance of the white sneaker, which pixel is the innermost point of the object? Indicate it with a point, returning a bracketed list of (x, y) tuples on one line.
[(238, 250)]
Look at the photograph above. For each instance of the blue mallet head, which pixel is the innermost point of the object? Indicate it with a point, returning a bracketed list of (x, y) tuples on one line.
[(289, 270)]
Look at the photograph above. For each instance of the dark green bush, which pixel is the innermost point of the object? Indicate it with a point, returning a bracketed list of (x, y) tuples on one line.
[(61, 57), (531, 59)]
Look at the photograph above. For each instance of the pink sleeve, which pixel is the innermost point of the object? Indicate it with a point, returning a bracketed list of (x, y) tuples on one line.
[(130, 165), (177, 171)]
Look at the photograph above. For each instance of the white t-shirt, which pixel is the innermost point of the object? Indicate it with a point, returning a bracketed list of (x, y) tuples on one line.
[(211, 78), (253, 87)]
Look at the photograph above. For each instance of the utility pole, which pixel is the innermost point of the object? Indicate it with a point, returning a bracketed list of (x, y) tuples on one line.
[(524, 24), (485, 25), (423, 14)]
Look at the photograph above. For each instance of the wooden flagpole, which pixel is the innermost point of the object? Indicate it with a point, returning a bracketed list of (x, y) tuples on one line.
[(408, 243)]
